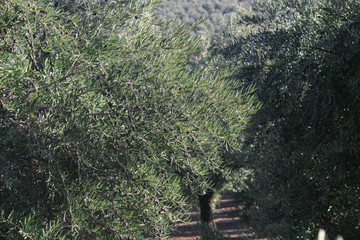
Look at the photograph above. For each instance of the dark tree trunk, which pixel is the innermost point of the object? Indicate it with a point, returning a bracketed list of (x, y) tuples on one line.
[(206, 214)]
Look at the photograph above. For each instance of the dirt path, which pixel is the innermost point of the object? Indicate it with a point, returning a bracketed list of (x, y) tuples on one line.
[(225, 219)]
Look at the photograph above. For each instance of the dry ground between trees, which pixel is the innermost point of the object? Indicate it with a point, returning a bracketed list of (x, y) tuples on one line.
[(226, 218)]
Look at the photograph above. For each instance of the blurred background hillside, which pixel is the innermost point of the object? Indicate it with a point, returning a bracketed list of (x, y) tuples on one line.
[(218, 14)]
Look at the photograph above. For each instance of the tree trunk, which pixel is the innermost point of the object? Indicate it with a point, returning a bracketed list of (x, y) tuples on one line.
[(206, 213)]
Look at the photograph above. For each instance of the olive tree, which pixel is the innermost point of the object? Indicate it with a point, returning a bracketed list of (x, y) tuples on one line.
[(106, 125), (303, 145)]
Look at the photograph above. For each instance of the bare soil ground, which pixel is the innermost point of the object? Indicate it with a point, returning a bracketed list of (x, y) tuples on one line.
[(226, 218)]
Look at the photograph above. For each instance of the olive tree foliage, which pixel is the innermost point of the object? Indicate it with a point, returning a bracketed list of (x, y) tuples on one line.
[(105, 123), (303, 145)]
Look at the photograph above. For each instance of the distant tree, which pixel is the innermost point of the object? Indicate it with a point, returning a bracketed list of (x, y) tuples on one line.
[(106, 127), (208, 7), (303, 145), (217, 14)]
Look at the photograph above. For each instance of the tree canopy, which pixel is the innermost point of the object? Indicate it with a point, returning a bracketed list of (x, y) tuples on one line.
[(106, 125), (303, 145)]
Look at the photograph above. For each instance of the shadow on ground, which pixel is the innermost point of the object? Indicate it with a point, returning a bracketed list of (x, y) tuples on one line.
[(226, 221)]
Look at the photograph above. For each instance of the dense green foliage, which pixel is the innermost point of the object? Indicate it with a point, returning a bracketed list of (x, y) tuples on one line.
[(217, 14), (303, 146), (105, 124)]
